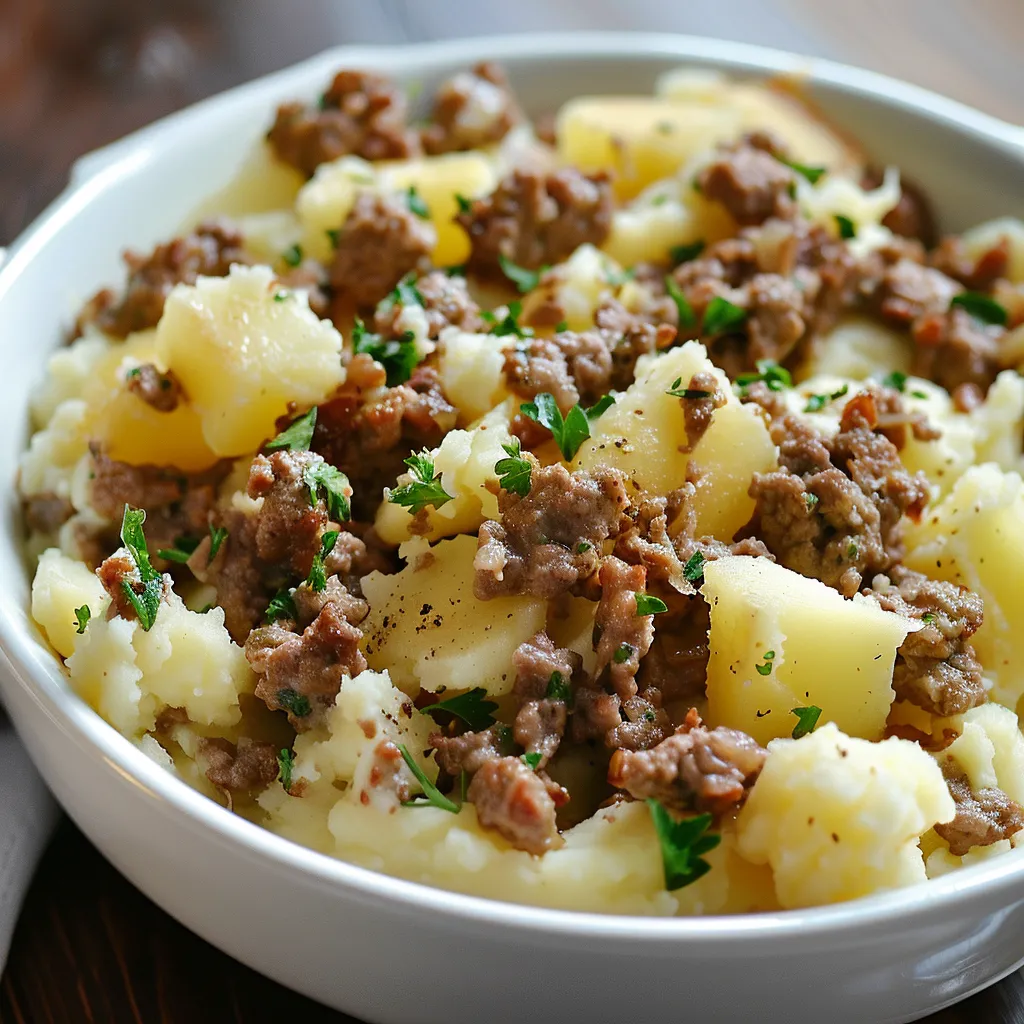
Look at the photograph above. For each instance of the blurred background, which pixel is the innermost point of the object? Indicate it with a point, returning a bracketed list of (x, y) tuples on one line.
[(75, 74)]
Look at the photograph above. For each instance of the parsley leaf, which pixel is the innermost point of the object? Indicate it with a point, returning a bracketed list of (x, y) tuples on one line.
[(815, 403), (218, 534), (846, 227), (281, 606), (807, 719), (285, 764), (623, 653), (182, 550), (684, 253), (323, 477), (678, 392), (896, 379), (425, 489), (583, 547), (766, 668), (147, 603), (292, 256), (531, 760), (525, 280), (981, 307), (561, 327), (82, 617), (559, 688), (810, 500), (464, 204), (694, 568), (812, 174), (928, 618), (515, 471), (682, 845), (510, 323), (774, 376), (472, 707), (317, 578), (721, 316), (398, 357), (648, 605), (296, 437), (416, 203), (569, 433), (434, 797), (296, 704), (333, 234), (406, 292), (687, 317)]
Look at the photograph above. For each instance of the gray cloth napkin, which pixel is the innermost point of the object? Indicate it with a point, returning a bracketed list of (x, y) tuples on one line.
[(27, 817)]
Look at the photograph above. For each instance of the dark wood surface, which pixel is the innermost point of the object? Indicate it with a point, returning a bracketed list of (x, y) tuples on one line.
[(74, 75)]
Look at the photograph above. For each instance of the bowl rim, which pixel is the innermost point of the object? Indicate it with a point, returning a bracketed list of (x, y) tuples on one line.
[(37, 671)]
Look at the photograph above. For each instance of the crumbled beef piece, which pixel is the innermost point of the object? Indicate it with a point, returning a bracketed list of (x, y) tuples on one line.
[(208, 251), (623, 637), (750, 181), (515, 802), (538, 365), (953, 348), (975, 274), (699, 407), (628, 337), (360, 113), (471, 110), (982, 818), (936, 667), (894, 418), (310, 276), (380, 242), (833, 510), (967, 397), (696, 768), (647, 542), (539, 727), (647, 723), (912, 216), (595, 714), (533, 218), (677, 663), (310, 603), (46, 512), (549, 540), (301, 673), (387, 780), (160, 390), (899, 288), (469, 751), (446, 301), (536, 662), (117, 571), (247, 768), (367, 430)]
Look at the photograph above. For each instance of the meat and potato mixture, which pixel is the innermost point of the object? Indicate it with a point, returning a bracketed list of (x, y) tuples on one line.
[(624, 515)]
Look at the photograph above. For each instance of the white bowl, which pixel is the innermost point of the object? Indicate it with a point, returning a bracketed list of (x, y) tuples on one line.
[(393, 951)]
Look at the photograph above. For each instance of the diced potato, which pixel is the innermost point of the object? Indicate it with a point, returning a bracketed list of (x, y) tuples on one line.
[(985, 236), (839, 195), (858, 348), (975, 537), (268, 235), (262, 183), (989, 749), (68, 371), (325, 200), (471, 371), (838, 817), (60, 586), (427, 629), (642, 434), (579, 285), (55, 452), (780, 641), (244, 349)]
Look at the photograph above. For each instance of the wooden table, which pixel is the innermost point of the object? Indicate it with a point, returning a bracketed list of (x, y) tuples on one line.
[(89, 947)]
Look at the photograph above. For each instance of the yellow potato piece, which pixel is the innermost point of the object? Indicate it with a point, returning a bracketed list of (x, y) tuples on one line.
[(262, 183), (643, 432), (812, 646)]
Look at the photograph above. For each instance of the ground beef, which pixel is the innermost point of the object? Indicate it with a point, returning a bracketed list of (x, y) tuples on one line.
[(539, 727), (471, 110), (208, 251), (367, 430), (953, 348), (533, 218), (515, 802), (936, 667), (539, 365), (647, 542), (380, 242), (677, 663), (301, 673), (116, 571), (899, 288), (622, 636), (647, 723), (699, 408), (595, 714), (360, 113), (975, 274), (750, 181), (912, 216), (536, 662), (446, 301), (549, 540), (469, 751), (694, 769), (160, 390), (309, 603), (247, 768), (982, 818), (895, 419), (46, 512), (628, 337)]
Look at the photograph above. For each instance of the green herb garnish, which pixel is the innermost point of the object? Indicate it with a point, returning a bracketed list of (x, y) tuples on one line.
[(677, 392), (525, 280), (583, 547), (807, 719), (425, 489), (464, 204), (324, 479), (687, 317), (434, 797), (281, 606), (147, 603), (297, 436), (693, 571), (981, 307), (684, 253), (285, 765), (181, 552), (623, 653), (774, 376), (812, 174), (294, 703), (683, 844), (810, 500), (509, 324), (766, 668), (721, 316), (82, 617), (569, 433), (218, 534), (292, 256), (928, 618), (531, 760), (846, 227), (472, 707), (406, 292), (416, 203), (399, 357), (514, 472), (648, 605), (559, 688), (815, 403), (317, 578), (896, 379)]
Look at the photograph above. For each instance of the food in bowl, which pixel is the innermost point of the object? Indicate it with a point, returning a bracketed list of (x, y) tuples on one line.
[(618, 514)]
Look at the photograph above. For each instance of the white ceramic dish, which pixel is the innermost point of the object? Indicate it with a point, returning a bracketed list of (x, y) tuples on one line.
[(392, 951)]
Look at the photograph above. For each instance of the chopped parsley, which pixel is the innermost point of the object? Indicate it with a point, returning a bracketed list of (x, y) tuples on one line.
[(569, 433), (766, 668), (324, 479), (333, 234), (82, 617), (147, 603), (558, 688), (472, 707), (531, 760), (464, 204), (815, 403), (687, 317), (296, 704), (282, 296), (693, 571), (846, 227), (297, 436), (281, 606), (928, 618), (434, 797), (807, 719), (292, 256), (182, 550), (561, 326), (695, 393), (514, 472), (722, 316), (525, 280), (509, 324), (685, 253), (425, 488), (810, 500), (218, 534), (623, 653), (896, 379), (852, 550), (285, 765), (683, 844), (648, 605), (406, 292), (812, 174), (317, 578), (399, 357), (416, 203), (774, 376), (981, 307), (583, 547)]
